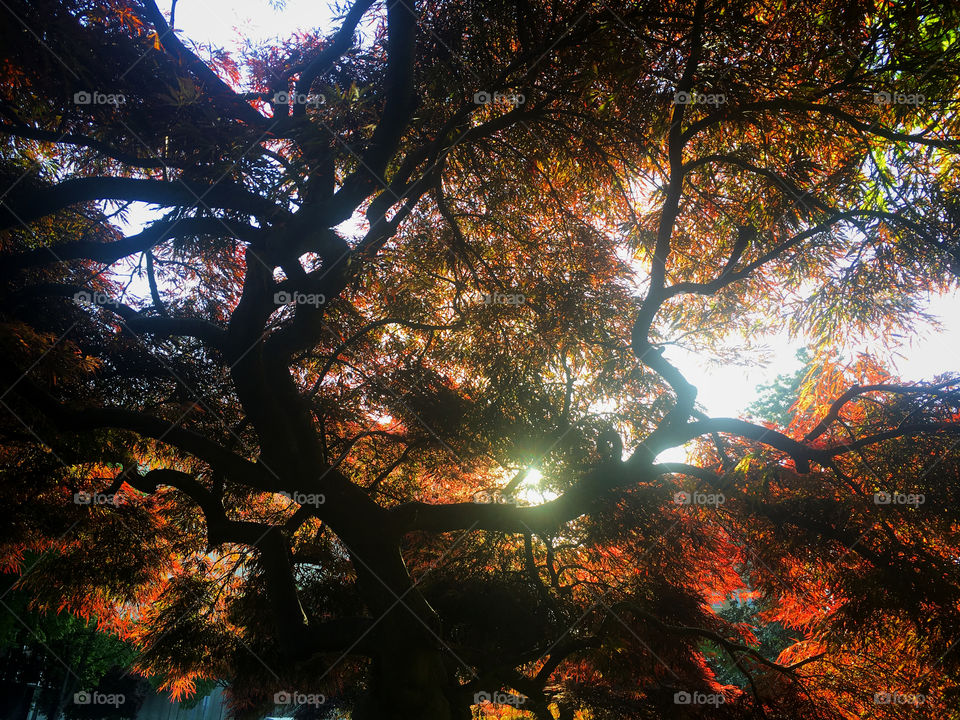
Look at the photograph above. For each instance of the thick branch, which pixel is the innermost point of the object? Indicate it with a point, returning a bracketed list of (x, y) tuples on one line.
[(217, 87), (127, 158), (340, 43), (39, 203), (110, 252), (76, 420), (587, 495), (398, 108)]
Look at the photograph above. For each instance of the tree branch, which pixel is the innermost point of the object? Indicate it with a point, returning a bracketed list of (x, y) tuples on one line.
[(340, 43), (39, 203), (110, 252), (76, 420), (857, 390), (217, 87)]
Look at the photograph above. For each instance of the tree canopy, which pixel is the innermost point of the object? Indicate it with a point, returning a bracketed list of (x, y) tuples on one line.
[(366, 416)]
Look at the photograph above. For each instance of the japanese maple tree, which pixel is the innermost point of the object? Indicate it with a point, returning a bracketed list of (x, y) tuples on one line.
[(338, 368)]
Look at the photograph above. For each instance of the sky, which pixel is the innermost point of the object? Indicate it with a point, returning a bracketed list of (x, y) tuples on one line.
[(723, 390), (227, 22), (726, 390)]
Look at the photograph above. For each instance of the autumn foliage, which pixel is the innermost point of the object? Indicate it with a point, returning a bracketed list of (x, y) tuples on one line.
[(363, 396)]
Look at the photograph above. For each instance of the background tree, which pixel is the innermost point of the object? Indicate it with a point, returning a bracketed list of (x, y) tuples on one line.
[(775, 400), (284, 421), (47, 658)]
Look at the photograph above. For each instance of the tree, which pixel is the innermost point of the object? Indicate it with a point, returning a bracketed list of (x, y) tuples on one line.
[(776, 400), (772, 639), (48, 659), (274, 447)]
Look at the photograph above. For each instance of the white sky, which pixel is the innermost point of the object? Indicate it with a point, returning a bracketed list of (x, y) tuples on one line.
[(229, 23), (723, 391)]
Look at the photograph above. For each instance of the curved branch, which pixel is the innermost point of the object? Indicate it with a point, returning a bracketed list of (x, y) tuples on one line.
[(27, 131), (217, 87), (39, 203), (299, 636), (74, 420), (857, 390), (856, 123), (902, 431), (801, 454), (138, 323), (110, 252), (783, 183), (732, 647), (729, 277), (640, 342), (340, 43), (334, 356)]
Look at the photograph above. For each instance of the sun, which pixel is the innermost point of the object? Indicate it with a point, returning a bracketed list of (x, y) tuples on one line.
[(533, 477), (530, 490)]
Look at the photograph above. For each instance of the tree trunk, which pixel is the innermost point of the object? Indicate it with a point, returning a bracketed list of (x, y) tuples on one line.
[(412, 675), (407, 682)]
